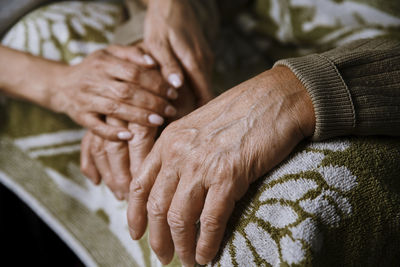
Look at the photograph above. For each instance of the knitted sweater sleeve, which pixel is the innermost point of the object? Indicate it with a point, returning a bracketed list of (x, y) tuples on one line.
[(355, 88)]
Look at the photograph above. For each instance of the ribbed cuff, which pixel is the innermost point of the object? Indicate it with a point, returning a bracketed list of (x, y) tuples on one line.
[(333, 106)]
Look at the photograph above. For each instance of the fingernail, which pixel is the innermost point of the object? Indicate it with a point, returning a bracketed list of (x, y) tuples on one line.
[(174, 80), (156, 119), (172, 93), (149, 60), (124, 135), (170, 111)]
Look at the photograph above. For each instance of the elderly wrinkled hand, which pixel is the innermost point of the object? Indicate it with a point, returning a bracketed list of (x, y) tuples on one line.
[(175, 39), (116, 162), (118, 81), (203, 163)]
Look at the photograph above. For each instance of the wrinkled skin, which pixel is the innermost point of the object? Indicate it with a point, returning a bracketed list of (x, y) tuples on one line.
[(117, 162), (203, 163), (173, 36), (116, 81), (122, 82)]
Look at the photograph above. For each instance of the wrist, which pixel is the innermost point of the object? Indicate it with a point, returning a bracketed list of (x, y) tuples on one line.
[(44, 81), (53, 97), (301, 106), (28, 77)]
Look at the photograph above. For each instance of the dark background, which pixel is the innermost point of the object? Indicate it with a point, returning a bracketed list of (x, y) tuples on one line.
[(25, 240)]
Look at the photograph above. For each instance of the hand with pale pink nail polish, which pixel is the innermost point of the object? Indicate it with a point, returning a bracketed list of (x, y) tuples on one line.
[(116, 162)]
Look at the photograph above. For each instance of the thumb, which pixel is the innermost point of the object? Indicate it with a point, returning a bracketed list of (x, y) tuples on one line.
[(140, 145)]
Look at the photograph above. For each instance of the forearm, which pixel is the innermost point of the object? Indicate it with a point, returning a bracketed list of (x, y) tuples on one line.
[(27, 77)]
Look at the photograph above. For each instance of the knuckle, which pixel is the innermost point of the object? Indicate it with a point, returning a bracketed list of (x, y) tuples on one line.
[(111, 107), (155, 209), (103, 131), (137, 97), (154, 103), (114, 147), (133, 74), (137, 189), (176, 222), (211, 224), (184, 250), (124, 91), (97, 149)]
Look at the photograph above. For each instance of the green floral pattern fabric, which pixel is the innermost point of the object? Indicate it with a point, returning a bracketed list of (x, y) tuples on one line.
[(309, 26), (332, 203)]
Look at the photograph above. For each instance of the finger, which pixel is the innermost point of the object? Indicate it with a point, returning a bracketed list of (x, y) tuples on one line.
[(170, 68), (153, 81), (118, 68), (118, 158), (133, 54), (139, 191), (88, 166), (140, 146), (197, 66), (157, 208), (214, 217), (147, 78), (100, 159), (125, 70), (183, 215), (135, 96), (123, 111), (98, 127)]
